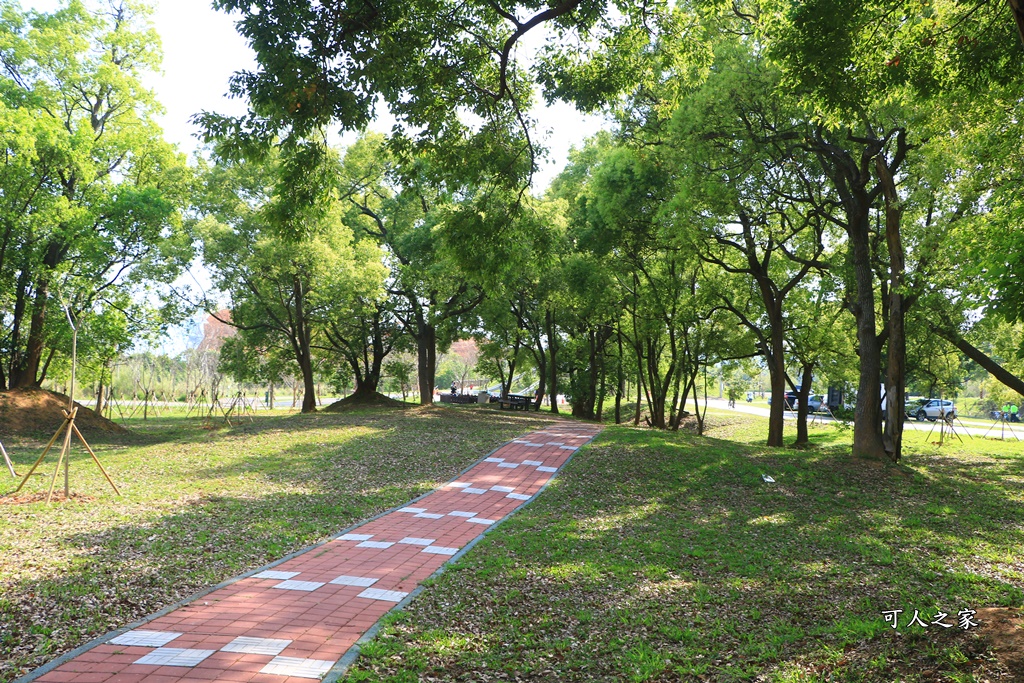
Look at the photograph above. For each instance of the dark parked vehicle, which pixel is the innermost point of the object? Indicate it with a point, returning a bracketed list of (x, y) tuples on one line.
[(791, 400), (814, 401)]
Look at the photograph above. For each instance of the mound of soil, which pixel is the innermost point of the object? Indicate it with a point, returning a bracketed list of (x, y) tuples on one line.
[(35, 412), (359, 401), (1003, 628)]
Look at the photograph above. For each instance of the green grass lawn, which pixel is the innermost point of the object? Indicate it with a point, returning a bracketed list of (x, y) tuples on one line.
[(201, 505), (666, 557)]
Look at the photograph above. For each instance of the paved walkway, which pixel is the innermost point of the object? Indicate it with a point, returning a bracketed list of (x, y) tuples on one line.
[(300, 618)]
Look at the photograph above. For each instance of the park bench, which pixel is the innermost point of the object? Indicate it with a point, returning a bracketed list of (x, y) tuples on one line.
[(515, 402)]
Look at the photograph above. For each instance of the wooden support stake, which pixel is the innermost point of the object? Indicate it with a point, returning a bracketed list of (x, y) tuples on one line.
[(7, 459)]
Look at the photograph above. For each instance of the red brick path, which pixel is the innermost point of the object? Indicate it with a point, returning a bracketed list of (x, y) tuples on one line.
[(294, 622)]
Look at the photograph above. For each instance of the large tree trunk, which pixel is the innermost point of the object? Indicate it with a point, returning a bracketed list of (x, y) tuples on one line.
[(1017, 9), (655, 396), (867, 420), (851, 177), (26, 374), (895, 379), (308, 386), (586, 403)]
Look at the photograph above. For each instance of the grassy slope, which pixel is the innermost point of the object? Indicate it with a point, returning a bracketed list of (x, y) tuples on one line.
[(201, 505), (666, 557)]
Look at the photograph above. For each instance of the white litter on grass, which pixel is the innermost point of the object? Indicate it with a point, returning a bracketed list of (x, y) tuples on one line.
[(767, 479)]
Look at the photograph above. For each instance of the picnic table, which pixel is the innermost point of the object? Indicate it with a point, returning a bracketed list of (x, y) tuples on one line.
[(515, 402)]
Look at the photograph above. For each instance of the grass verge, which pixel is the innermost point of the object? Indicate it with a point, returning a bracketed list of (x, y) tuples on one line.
[(667, 557)]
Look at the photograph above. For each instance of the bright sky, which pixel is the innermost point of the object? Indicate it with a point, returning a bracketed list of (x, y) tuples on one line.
[(202, 50)]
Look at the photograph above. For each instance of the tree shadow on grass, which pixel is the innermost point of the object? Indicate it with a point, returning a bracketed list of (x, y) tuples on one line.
[(674, 551), (125, 572), (343, 468)]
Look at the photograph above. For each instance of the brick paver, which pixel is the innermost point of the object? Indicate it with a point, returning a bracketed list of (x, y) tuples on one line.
[(296, 621)]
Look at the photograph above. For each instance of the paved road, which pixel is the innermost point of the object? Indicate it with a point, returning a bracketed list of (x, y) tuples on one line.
[(972, 427)]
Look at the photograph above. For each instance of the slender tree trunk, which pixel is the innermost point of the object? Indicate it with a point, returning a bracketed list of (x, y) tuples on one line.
[(100, 393), (620, 381), (777, 375), (696, 401), (501, 377), (369, 379), (542, 366), (806, 377), (301, 343), (506, 383), (639, 395), (592, 376), (553, 350), (426, 358)]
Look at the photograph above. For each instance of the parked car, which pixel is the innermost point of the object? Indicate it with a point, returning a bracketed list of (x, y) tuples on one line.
[(791, 400), (814, 401), (933, 409)]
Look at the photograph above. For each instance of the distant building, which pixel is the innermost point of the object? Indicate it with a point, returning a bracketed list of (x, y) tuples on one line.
[(215, 331)]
